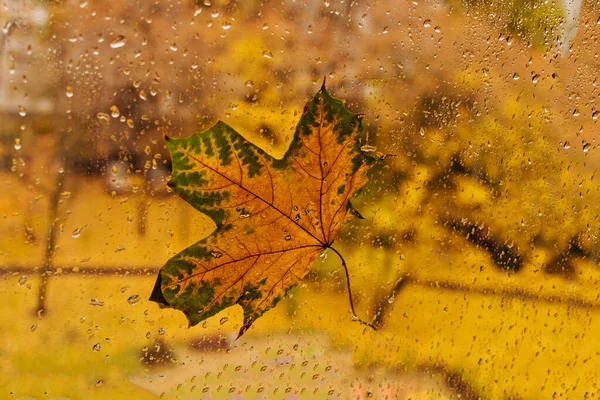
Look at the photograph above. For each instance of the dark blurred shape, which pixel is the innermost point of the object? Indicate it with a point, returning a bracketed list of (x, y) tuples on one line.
[(505, 255), (159, 353), (210, 343)]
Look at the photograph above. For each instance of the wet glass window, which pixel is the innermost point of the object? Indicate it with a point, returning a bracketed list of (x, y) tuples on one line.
[(299, 199)]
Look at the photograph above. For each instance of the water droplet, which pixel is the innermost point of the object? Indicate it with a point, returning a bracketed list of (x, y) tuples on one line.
[(265, 26), (161, 331), (119, 41), (223, 320), (566, 145), (102, 116), (267, 54), (96, 302), (427, 23), (216, 254), (576, 113), (6, 27), (535, 78), (22, 111), (114, 111), (133, 299), (76, 233), (173, 46), (97, 347), (244, 214), (391, 299), (226, 25), (385, 30), (437, 29), (288, 237), (516, 76), (17, 144), (33, 327), (595, 115), (148, 335), (69, 92), (323, 255), (310, 29), (22, 280), (422, 132), (586, 147), (142, 95)]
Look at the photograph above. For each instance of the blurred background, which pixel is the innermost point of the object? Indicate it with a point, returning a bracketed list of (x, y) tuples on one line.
[(479, 255)]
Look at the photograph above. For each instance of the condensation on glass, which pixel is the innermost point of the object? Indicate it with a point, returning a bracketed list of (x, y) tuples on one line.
[(477, 258)]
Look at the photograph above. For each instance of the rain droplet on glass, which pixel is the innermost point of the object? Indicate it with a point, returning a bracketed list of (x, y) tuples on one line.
[(117, 42)]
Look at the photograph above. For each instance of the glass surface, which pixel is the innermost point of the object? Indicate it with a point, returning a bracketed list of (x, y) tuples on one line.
[(477, 258)]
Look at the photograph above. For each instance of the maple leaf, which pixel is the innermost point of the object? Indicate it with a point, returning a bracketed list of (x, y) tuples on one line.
[(273, 216)]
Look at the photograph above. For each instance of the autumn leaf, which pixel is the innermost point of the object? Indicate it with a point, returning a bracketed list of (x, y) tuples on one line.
[(273, 216)]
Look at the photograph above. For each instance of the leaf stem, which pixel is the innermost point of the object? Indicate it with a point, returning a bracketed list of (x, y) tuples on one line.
[(354, 316)]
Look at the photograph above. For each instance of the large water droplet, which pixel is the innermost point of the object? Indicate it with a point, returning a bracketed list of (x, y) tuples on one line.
[(119, 41), (102, 116), (96, 302), (133, 299), (586, 147)]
